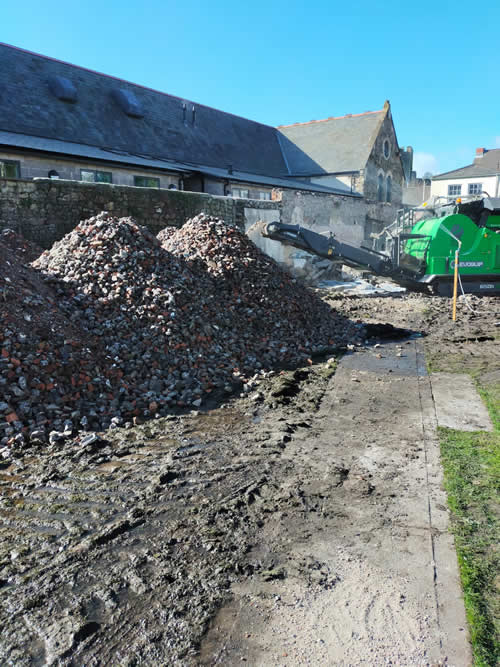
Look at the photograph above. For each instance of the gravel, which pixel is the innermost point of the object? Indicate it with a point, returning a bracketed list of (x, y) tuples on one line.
[(113, 324)]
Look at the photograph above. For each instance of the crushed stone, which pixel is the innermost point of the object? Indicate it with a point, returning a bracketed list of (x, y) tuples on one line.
[(113, 325)]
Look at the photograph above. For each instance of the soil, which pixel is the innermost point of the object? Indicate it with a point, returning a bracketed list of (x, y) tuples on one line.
[(287, 526)]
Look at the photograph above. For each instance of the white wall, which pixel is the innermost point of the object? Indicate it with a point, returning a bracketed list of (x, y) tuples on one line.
[(489, 184)]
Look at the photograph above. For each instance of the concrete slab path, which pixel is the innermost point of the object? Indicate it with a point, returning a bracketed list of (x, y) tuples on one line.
[(394, 595), (458, 404)]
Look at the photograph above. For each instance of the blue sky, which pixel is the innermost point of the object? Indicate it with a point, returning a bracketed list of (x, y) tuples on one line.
[(282, 62)]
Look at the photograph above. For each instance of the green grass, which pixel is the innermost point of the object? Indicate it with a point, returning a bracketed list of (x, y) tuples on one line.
[(471, 464)]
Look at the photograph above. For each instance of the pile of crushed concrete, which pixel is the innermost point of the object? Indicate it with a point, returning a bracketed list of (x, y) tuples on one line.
[(111, 324)]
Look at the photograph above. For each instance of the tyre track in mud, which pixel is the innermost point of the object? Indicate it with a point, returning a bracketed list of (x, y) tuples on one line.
[(122, 551), (368, 571), (268, 522)]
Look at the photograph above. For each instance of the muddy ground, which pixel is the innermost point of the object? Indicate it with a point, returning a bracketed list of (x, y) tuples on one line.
[(204, 538)]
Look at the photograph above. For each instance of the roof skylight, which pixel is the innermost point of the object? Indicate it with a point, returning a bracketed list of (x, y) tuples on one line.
[(63, 88), (128, 102)]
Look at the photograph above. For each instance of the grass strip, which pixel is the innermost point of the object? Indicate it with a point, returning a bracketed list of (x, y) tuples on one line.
[(471, 463)]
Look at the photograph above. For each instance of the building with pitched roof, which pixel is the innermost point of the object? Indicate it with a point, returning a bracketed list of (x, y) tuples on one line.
[(58, 120), (483, 175), (359, 150)]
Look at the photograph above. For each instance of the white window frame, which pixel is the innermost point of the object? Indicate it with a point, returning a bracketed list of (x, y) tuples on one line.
[(451, 190), (475, 188), (239, 193), (265, 196)]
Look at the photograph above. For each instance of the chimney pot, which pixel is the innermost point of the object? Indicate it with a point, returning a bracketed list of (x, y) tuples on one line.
[(480, 152)]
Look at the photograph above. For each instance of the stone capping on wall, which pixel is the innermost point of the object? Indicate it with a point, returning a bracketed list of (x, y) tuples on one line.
[(43, 210)]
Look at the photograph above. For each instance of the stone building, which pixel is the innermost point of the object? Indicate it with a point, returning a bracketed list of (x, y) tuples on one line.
[(359, 151), (61, 121)]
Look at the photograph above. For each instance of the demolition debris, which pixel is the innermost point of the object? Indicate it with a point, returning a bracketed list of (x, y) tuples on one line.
[(112, 324)]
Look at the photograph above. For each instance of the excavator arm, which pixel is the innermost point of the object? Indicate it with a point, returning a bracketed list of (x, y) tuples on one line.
[(329, 248)]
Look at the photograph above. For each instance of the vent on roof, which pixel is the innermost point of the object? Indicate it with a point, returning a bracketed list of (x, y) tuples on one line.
[(62, 88), (128, 102)]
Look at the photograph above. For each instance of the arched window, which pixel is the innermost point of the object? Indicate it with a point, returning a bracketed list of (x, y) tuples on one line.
[(53, 174), (388, 189), (380, 188), (387, 149)]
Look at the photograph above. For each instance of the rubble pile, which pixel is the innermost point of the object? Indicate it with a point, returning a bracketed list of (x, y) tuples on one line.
[(279, 319), (40, 352), (126, 327), (24, 249)]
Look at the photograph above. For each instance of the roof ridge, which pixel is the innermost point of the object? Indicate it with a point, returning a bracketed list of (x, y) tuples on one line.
[(324, 120), (138, 85), (452, 171)]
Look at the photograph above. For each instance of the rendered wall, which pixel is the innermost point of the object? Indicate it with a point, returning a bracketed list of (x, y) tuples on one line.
[(35, 166)]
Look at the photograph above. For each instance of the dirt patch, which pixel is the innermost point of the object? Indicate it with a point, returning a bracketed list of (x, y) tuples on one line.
[(180, 541)]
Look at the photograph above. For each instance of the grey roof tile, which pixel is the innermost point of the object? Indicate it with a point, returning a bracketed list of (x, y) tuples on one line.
[(489, 160), (166, 131), (333, 145), (470, 171)]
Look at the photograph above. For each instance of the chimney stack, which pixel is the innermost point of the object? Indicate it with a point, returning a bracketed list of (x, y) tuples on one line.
[(480, 152)]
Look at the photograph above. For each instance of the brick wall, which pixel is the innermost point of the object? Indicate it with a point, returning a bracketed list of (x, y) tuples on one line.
[(44, 210)]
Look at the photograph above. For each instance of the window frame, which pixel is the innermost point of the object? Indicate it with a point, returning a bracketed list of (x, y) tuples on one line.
[(388, 189), (10, 163), (149, 178), (264, 196), (380, 187), (477, 187), (240, 191), (387, 143), (454, 185), (95, 172)]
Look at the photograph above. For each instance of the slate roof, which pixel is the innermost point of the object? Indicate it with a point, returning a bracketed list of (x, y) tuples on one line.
[(489, 160), (28, 105), (330, 146), (488, 165), (54, 107)]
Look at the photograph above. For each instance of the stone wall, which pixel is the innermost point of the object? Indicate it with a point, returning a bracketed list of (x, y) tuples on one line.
[(44, 210)]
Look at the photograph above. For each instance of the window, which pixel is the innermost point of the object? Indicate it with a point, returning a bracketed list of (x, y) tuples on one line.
[(388, 193), (475, 188), (91, 176), (146, 182), (387, 148), (264, 195), (9, 169), (380, 187), (53, 174), (239, 192), (454, 190)]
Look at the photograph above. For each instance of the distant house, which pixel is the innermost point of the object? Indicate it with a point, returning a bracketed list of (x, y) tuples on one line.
[(483, 175), (59, 120)]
